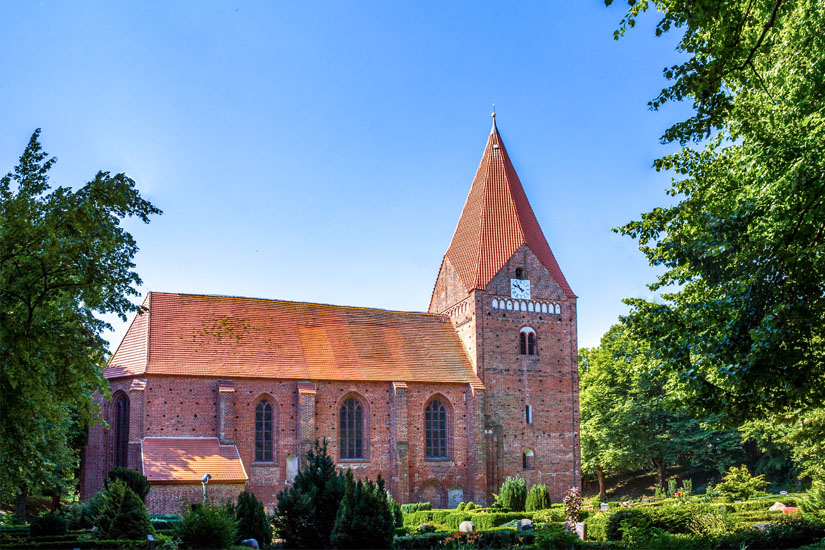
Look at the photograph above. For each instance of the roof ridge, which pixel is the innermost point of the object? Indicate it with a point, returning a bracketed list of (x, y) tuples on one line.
[(281, 301)]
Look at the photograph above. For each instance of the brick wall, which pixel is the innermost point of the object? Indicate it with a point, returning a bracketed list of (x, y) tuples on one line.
[(206, 407), (174, 499)]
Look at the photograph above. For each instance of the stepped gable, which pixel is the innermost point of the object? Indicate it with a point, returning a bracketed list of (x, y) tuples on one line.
[(496, 220), (224, 336)]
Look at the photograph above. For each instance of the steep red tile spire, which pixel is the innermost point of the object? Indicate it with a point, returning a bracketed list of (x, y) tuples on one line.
[(497, 219)]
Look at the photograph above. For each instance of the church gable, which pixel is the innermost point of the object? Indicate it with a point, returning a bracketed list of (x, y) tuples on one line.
[(131, 356)]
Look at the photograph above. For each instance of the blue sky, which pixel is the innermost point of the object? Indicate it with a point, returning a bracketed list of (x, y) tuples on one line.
[(322, 151)]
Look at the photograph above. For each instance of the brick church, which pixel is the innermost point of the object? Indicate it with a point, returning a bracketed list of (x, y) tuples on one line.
[(444, 405)]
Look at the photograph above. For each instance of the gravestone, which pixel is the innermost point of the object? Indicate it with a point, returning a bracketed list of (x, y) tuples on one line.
[(466, 527), (524, 525), (455, 497)]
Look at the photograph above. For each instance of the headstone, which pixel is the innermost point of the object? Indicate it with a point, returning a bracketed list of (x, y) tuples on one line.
[(581, 530), (466, 527), (151, 543), (604, 507), (250, 543), (777, 507), (524, 525), (763, 526), (645, 499), (789, 510), (783, 493), (454, 497), (291, 468)]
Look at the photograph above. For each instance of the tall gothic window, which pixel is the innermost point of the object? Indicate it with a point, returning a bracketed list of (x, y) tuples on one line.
[(435, 430), (352, 429), (527, 341), (121, 424), (263, 432)]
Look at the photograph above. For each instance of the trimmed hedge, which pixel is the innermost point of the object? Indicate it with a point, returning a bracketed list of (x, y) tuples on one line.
[(86, 544), (495, 539), (413, 507)]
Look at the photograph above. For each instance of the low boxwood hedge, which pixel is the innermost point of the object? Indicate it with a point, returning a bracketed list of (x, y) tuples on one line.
[(90, 544), (499, 538)]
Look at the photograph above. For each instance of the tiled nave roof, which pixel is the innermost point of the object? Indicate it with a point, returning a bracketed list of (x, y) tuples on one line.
[(188, 459), (224, 336), (496, 220)]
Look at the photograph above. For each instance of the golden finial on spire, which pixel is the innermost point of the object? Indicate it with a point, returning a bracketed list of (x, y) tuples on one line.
[(494, 110)]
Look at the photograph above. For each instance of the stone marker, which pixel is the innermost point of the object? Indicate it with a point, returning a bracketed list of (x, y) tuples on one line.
[(250, 543), (604, 507), (777, 507), (466, 527), (524, 524), (763, 526), (789, 510)]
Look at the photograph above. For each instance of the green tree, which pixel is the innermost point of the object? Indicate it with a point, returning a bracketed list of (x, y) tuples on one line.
[(739, 484), (513, 494), (364, 518), (252, 521), (207, 527), (133, 479), (741, 328), (630, 420), (305, 512), (537, 498), (64, 260), (122, 514)]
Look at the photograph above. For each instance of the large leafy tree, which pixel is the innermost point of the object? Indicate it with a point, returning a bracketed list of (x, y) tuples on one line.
[(740, 328), (629, 420), (64, 260)]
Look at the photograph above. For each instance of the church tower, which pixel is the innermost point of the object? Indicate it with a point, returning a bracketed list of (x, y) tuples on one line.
[(515, 313)]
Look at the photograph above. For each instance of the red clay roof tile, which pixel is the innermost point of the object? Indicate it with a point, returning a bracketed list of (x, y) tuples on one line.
[(188, 459), (227, 337), (496, 220)]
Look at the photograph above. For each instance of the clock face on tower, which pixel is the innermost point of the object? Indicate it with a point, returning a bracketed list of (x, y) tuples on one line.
[(520, 288)]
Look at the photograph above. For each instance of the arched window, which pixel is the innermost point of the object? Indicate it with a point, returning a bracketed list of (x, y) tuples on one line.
[(519, 273), (263, 432), (352, 429), (121, 425), (527, 341), (528, 459), (435, 430)]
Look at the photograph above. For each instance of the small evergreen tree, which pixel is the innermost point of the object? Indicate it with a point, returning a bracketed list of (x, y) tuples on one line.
[(513, 494), (739, 484), (364, 519), (132, 478), (207, 527), (251, 520), (395, 511), (538, 498), (122, 515), (305, 513)]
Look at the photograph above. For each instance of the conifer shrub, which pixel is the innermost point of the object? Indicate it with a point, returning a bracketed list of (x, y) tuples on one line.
[(305, 512), (460, 507), (364, 519), (122, 514), (513, 495), (207, 527), (48, 525), (132, 478), (739, 484), (251, 520), (471, 506), (816, 498), (537, 498), (395, 511), (82, 515)]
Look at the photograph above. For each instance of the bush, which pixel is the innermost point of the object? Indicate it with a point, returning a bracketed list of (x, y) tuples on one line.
[(739, 484), (81, 515), (251, 520), (538, 498), (395, 510), (206, 526), (550, 515), (364, 519), (687, 488), (460, 507), (597, 526), (133, 479), (816, 497), (513, 494), (416, 507), (552, 537), (305, 513), (572, 505), (714, 524), (47, 525), (505, 538), (627, 517), (472, 506), (122, 515)]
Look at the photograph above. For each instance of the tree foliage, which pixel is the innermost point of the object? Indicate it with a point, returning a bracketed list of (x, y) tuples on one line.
[(364, 518), (207, 527), (537, 498), (251, 520), (741, 328), (306, 511), (122, 514), (132, 478), (64, 260), (513, 494)]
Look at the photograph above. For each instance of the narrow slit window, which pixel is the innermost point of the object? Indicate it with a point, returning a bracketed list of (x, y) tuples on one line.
[(528, 414)]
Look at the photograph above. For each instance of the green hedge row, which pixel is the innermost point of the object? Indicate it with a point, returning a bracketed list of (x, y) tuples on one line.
[(91, 544), (502, 538), (452, 519)]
